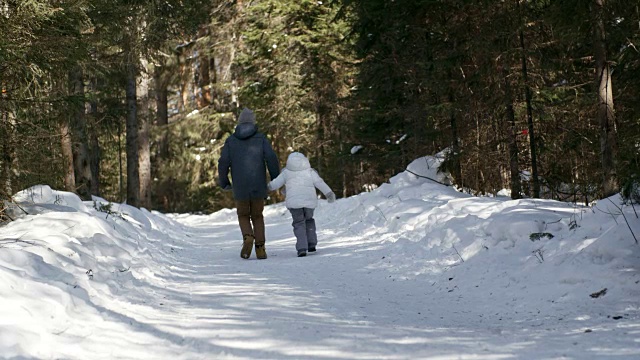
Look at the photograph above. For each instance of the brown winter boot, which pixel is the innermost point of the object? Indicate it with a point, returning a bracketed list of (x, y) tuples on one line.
[(247, 245), (261, 252)]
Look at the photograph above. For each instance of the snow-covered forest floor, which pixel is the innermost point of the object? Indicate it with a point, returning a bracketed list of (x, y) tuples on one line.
[(411, 270)]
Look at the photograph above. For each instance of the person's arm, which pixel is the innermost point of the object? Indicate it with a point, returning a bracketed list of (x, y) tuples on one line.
[(271, 159), (223, 167), (322, 186), (277, 183)]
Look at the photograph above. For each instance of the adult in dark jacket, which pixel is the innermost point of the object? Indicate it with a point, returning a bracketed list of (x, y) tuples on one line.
[(246, 152)]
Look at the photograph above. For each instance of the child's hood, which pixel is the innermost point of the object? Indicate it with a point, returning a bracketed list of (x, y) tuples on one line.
[(297, 162)]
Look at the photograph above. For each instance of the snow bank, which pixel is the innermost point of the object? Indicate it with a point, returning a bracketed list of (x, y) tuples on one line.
[(539, 252), (62, 263)]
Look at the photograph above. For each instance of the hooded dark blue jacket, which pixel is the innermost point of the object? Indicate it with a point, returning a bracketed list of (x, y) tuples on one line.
[(246, 152)]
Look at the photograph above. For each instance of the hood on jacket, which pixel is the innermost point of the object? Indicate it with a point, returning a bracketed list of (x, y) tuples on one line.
[(245, 130), (297, 162)]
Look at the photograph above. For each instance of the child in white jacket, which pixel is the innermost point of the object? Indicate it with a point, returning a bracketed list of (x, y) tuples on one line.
[(301, 182)]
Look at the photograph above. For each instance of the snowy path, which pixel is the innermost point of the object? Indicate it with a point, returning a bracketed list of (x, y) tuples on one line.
[(333, 305)]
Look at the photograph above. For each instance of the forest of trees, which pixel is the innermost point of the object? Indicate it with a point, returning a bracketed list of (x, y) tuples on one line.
[(131, 100)]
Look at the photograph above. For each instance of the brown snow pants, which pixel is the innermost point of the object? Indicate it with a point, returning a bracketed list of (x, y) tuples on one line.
[(250, 212)]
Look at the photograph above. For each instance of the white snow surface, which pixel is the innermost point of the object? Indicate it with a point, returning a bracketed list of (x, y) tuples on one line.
[(411, 270)]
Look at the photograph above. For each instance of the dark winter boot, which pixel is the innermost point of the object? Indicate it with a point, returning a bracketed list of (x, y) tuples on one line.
[(247, 245), (302, 253), (261, 252), (312, 248)]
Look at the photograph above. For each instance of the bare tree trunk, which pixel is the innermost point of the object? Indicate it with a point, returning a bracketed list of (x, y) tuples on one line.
[(162, 112), (160, 79), (96, 156), (133, 175), (453, 122), (343, 162), (79, 135), (237, 41), (95, 151), (144, 150), (606, 116), (321, 134), (5, 177), (204, 82), (516, 188), (532, 138), (204, 78), (9, 164), (121, 186), (213, 73), (185, 70), (455, 143), (6, 146), (67, 157)]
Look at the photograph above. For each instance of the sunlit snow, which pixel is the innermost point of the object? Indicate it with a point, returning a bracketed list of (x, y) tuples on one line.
[(411, 270)]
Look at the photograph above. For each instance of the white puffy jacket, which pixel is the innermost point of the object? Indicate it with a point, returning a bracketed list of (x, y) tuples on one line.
[(301, 182)]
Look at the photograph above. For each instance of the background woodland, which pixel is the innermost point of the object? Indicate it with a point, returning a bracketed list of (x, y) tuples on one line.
[(131, 100)]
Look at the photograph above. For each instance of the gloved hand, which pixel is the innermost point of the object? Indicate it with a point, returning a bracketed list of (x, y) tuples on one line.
[(227, 188), (331, 197)]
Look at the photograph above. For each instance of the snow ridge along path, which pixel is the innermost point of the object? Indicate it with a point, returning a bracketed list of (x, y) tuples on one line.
[(411, 270)]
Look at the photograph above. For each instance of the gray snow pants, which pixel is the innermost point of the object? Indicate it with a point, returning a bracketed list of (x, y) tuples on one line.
[(304, 228)]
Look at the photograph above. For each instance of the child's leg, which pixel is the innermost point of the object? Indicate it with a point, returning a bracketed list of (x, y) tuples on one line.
[(299, 228), (310, 225)]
